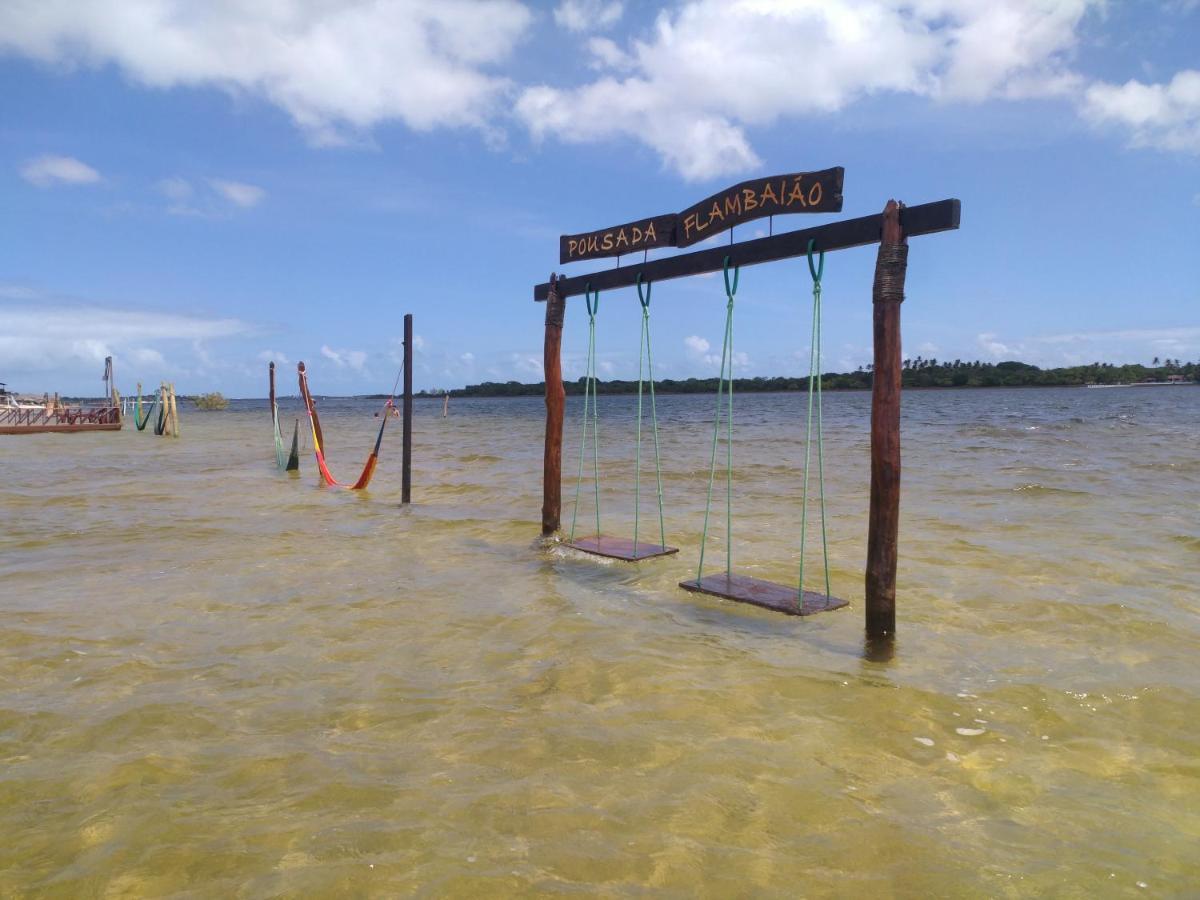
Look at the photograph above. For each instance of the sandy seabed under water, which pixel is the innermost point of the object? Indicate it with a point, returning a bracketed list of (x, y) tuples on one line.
[(220, 680)]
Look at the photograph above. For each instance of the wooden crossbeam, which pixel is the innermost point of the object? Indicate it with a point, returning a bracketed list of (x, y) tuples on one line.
[(928, 218)]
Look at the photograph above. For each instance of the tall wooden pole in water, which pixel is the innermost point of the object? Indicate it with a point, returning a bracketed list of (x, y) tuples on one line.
[(556, 398), (271, 369), (406, 463), (884, 526)]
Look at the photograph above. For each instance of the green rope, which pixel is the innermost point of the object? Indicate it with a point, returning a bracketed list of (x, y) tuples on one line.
[(589, 387), (814, 387), (726, 356), (644, 350)]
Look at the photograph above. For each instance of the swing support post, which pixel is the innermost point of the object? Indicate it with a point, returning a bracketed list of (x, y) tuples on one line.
[(556, 399), (406, 439), (884, 523)]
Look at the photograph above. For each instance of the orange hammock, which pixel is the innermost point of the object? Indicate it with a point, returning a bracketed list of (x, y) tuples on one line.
[(319, 439)]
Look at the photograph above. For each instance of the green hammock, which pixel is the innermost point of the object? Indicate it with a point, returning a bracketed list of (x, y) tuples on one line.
[(138, 419)]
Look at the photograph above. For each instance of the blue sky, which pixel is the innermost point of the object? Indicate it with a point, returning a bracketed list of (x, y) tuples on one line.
[(197, 189)]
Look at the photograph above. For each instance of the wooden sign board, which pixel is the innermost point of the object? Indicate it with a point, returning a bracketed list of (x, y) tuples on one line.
[(799, 192), (634, 237)]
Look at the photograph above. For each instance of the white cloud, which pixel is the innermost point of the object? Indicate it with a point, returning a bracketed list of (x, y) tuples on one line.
[(335, 68), (468, 358), (1152, 335), (588, 15), (274, 356), (528, 364), (988, 344), (238, 193), (1166, 116), (607, 55), (175, 188), (698, 349), (712, 68), (202, 353), (48, 335), (147, 356), (46, 171), (418, 342), (1074, 348), (352, 359)]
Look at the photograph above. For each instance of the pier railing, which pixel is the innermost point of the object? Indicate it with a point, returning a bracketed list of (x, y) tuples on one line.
[(30, 418)]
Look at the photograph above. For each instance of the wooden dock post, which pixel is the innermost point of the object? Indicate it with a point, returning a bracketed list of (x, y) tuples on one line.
[(556, 398), (406, 462), (884, 524)]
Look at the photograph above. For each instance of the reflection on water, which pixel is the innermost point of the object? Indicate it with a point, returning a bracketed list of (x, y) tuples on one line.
[(215, 677)]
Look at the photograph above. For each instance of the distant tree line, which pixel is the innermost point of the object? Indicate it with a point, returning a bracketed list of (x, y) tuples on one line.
[(916, 373)]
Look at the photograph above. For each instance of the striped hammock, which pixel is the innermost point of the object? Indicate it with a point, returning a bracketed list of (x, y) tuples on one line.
[(368, 469)]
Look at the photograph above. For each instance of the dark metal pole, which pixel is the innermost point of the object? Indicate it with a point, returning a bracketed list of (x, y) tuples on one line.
[(884, 526), (556, 398), (406, 465)]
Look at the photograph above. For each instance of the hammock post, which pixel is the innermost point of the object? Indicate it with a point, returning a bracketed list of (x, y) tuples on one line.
[(556, 398), (406, 461), (884, 523), (271, 370)]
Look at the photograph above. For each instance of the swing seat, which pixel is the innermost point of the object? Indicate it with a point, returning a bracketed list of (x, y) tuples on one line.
[(619, 548), (767, 594)]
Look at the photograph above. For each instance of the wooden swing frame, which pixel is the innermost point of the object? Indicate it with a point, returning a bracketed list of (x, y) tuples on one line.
[(891, 231)]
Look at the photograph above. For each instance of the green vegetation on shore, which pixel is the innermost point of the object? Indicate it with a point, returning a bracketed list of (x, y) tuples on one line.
[(917, 373), (215, 400)]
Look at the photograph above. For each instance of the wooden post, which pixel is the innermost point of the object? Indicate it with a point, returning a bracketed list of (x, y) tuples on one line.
[(556, 398), (406, 462), (271, 369), (884, 525)]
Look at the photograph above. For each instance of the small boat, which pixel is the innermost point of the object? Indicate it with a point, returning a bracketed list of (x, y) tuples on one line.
[(23, 416)]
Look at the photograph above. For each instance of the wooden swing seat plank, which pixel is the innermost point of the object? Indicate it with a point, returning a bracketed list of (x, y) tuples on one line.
[(767, 594), (619, 548)]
